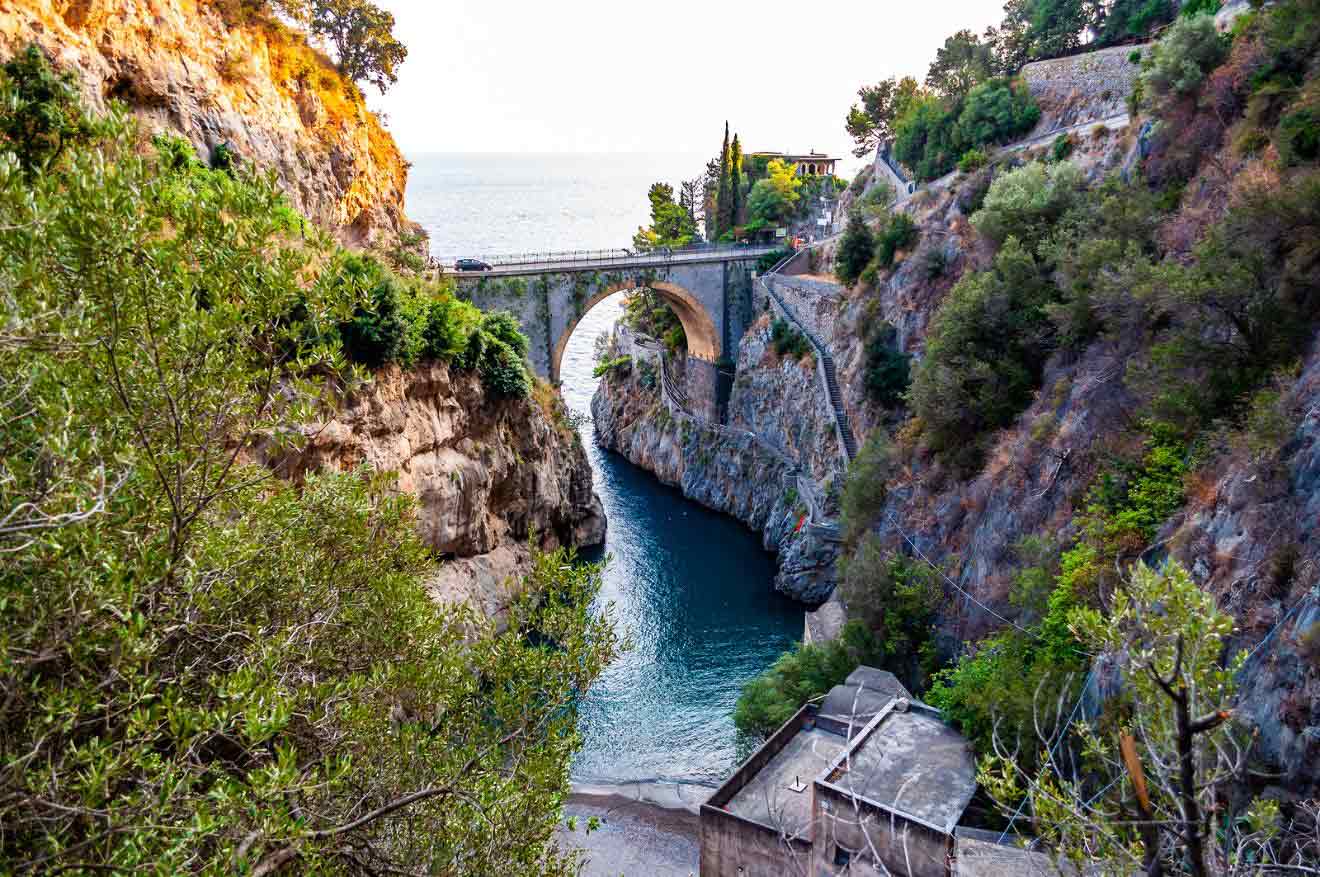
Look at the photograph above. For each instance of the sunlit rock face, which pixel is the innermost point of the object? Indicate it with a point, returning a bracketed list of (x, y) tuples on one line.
[(179, 67)]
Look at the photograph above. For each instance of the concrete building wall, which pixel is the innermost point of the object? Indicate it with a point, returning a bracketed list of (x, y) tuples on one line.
[(735, 847), (865, 831)]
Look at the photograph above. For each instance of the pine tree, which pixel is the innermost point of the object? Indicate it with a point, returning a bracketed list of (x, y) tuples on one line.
[(735, 183)]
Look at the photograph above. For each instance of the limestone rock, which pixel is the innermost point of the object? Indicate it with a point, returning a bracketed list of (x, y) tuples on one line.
[(486, 473), (179, 67)]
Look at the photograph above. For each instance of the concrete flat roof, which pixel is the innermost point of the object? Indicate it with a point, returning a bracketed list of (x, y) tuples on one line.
[(863, 695), (912, 763), (767, 798)]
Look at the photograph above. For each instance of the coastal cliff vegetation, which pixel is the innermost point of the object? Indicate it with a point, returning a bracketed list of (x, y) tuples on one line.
[(1188, 267), (206, 668)]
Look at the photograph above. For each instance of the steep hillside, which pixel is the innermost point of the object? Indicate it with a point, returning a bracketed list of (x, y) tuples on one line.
[(256, 86)]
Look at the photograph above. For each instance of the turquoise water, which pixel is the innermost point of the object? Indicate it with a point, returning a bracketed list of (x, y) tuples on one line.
[(691, 588)]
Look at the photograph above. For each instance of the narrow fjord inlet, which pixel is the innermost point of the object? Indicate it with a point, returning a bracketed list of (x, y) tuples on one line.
[(693, 590)]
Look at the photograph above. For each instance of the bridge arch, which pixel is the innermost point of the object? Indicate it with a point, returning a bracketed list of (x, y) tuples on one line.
[(703, 338)]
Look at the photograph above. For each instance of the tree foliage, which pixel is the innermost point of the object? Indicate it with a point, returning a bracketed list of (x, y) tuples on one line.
[(1028, 202), (1167, 638), (935, 133), (43, 114), (206, 669), (808, 671), (672, 224), (363, 37), (984, 353), (962, 63), (855, 249), (1179, 62), (773, 199), (871, 123)]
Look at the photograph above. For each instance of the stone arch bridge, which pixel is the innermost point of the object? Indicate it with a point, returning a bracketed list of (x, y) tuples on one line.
[(709, 289)]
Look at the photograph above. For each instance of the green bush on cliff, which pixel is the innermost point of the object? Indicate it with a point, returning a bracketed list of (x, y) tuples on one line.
[(855, 250), (787, 340), (807, 671), (865, 484), (206, 669), (984, 354)]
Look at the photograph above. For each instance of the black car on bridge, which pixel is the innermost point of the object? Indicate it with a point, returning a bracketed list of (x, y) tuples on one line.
[(471, 265)]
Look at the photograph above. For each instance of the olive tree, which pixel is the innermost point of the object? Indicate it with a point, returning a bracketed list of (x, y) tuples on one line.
[(1149, 792)]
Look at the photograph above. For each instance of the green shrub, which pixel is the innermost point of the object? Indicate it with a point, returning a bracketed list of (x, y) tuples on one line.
[(996, 111), (1179, 62), (621, 364), (1194, 8), (378, 333), (865, 484), (875, 203), (807, 671), (773, 258), (870, 278), (650, 314), (855, 250), (497, 350), (1298, 136), (926, 139), (984, 354), (935, 261), (787, 340), (1134, 57), (207, 669), (44, 115), (896, 596), (973, 160), (1027, 202), (1062, 147), (224, 158), (888, 369), (898, 233), (448, 322)]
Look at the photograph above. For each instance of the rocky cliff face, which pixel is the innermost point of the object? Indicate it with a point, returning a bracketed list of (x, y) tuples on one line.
[(179, 66), (486, 473), (1247, 531), (728, 470)]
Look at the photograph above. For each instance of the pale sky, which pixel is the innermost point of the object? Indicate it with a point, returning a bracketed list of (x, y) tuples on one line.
[(594, 76)]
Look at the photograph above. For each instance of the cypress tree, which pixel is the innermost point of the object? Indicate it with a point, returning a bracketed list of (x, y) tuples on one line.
[(735, 183), (722, 203)]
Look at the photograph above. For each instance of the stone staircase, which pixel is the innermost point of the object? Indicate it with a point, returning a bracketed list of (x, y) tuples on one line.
[(836, 402)]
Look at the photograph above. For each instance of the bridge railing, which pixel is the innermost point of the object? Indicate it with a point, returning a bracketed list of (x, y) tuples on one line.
[(615, 255)]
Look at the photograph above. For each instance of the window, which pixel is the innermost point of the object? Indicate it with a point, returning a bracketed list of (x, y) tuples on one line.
[(841, 856)]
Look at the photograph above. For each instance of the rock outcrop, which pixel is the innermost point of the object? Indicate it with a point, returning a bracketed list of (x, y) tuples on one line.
[(179, 66), (487, 473), (729, 470)]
